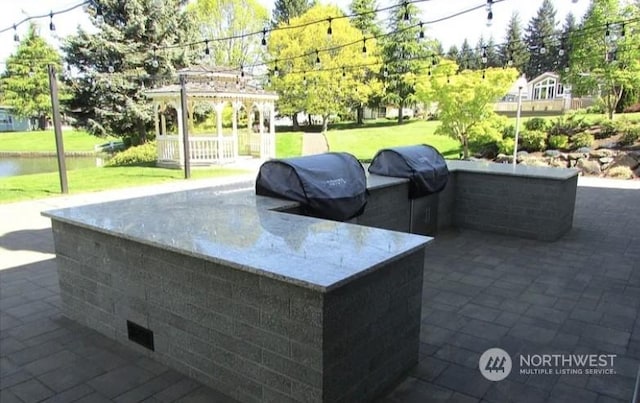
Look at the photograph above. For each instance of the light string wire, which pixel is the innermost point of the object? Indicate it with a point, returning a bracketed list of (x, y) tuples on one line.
[(50, 14)]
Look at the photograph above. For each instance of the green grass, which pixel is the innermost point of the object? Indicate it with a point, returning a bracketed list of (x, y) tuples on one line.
[(288, 144), (365, 141), (45, 141), (26, 187)]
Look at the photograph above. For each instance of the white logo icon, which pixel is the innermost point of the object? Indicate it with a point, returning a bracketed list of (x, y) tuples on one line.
[(495, 364)]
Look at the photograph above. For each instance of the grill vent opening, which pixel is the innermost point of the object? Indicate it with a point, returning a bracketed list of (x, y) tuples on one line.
[(141, 335)]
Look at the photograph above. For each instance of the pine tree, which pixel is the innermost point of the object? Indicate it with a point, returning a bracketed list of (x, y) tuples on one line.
[(480, 54), (25, 82), (540, 37), (403, 55), (364, 18), (493, 56), (568, 29), (118, 60), (467, 56), (285, 10), (453, 54), (514, 51)]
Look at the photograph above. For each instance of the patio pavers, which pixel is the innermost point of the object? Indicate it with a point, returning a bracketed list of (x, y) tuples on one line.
[(578, 295)]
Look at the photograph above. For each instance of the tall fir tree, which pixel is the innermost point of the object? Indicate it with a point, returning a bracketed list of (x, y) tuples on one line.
[(493, 55), (121, 57), (453, 53), (541, 40), (568, 29), (365, 17), (514, 52), (480, 57), (404, 55), (467, 56), (25, 82), (285, 10)]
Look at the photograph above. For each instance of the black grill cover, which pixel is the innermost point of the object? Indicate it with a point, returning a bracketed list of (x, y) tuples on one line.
[(330, 185), (422, 164)]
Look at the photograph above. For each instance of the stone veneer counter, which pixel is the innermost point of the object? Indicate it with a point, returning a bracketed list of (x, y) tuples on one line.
[(259, 304)]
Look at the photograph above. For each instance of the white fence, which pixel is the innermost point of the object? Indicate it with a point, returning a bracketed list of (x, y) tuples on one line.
[(203, 150)]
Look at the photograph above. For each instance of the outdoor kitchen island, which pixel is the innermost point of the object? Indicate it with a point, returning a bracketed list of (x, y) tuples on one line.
[(259, 304)]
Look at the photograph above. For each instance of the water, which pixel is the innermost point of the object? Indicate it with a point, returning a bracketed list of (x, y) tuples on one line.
[(14, 166)]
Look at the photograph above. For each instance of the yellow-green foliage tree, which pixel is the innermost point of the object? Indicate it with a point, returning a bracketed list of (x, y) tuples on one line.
[(465, 100), (342, 78)]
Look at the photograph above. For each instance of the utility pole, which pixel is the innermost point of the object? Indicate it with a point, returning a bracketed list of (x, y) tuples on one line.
[(57, 126)]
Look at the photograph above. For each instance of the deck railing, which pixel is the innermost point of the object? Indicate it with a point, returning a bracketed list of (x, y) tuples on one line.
[(202, 149)]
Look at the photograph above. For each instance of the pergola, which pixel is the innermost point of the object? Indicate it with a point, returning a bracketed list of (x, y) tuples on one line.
[(218, 87)]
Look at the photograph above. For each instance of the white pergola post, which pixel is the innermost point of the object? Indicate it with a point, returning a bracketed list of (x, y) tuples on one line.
[(264, 146), (156, 118), (219, 106), (180, 134), (235, 105), (272, 130)]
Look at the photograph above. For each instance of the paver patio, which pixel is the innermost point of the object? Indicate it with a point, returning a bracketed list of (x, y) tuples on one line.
[(578, 295)]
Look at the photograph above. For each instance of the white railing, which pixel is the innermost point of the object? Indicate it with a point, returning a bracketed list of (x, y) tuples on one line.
[(202, 149)]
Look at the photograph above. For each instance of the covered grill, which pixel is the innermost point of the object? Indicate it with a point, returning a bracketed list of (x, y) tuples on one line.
[(422, 164), (330, 185)]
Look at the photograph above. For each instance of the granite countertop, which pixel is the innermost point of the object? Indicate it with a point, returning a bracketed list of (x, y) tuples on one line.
[(493, 168), (241, 230)]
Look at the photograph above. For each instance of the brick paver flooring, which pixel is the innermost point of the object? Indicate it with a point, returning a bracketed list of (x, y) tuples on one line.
[(578, 295)]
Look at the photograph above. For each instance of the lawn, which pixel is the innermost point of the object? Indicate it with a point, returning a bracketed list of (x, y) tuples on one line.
[(45, 141), (24, 187), (288, 144)]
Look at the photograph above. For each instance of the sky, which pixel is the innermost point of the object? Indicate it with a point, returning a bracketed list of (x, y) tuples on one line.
[(450, 32)]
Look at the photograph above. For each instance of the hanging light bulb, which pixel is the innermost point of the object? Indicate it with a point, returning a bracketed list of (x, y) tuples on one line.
[(329, 30), (607, 33), (484, 55), (429, 72), (207, 51), (421, 36), (385, 73), (16, 37), (304, 80), (622, 31), (154, 63), (574, 1), (276, 72), (490, 18), (99, 15), (489, 4), (483, 74), (142, 86), (111, 69), (52, 26), (344, 73), (242, 71), (561, 52), (364, 47), (448, 80), (318, 64), (543, 50), (406, 11), (510, 62), (264, 37)]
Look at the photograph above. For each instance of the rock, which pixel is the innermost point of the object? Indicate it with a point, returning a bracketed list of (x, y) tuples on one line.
[(583, 150), (602, 153), (588, 167), (503, 159), (552, 153), (558, 163), (605, 160), (534, 162), (624, 160), (634, 154), (612, 144), (522, 154), (575, 156)]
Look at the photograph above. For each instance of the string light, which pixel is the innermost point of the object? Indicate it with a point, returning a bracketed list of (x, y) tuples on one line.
[(364, 46), (318, 64), (484, 55), (385, 73), (421, 35), (275, 69), (16, 37), (111, 69), (207, 51), (543, 50), (607, 32), (406, 11), (561, 51), (329, 30), (264, 37), (304, 79), (489, 8), (99, 15), (242, 71), (344, 73), (52, 27), (622, 31), (154, 61)]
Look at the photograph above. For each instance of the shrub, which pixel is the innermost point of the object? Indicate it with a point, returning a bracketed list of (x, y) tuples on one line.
[(569, 124), (536, 124), (620, 173), (505, 146), (558, 142), (582, 140), (533, 140), (607, 129), (144, 155), (509, 132), (630, 135)]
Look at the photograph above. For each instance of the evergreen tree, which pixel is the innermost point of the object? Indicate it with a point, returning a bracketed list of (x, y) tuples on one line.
[(568, 29), (514, 50), (480, 54), (365, 15), (467, 56), (493, 55), (119, 59), (540, 37), (25, 82), (285, 10), (453, 54), (403, 55)]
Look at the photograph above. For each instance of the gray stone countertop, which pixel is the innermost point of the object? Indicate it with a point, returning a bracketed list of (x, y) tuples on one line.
[(493, 168), (241, 230)]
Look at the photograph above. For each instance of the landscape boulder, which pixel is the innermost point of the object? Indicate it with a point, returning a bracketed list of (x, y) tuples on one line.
[(588, 167)]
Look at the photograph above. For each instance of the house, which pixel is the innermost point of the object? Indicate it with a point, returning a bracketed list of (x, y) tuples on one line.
[(11, 123)]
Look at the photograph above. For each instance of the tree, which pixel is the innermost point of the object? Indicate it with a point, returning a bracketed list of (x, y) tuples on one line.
[(493, 57), (514, 52), (465, 100), (25, 82), (404, 55), (603, 63), (115, 63), (337, 82), (568, 29), (467, 56), (286, 10), (453, 53), (540, 37), (233, 19)]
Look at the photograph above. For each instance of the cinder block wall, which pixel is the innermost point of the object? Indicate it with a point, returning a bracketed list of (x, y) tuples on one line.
[(387, 208), (514, 205), (251, 337)]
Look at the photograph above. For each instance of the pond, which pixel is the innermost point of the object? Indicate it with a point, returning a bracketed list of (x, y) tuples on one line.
[(14, 166)]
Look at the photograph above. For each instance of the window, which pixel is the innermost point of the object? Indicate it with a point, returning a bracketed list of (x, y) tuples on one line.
[(560, 90), (545, 89)]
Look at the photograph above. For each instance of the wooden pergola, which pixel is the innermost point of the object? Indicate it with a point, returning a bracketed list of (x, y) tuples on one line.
[(218, 87)]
